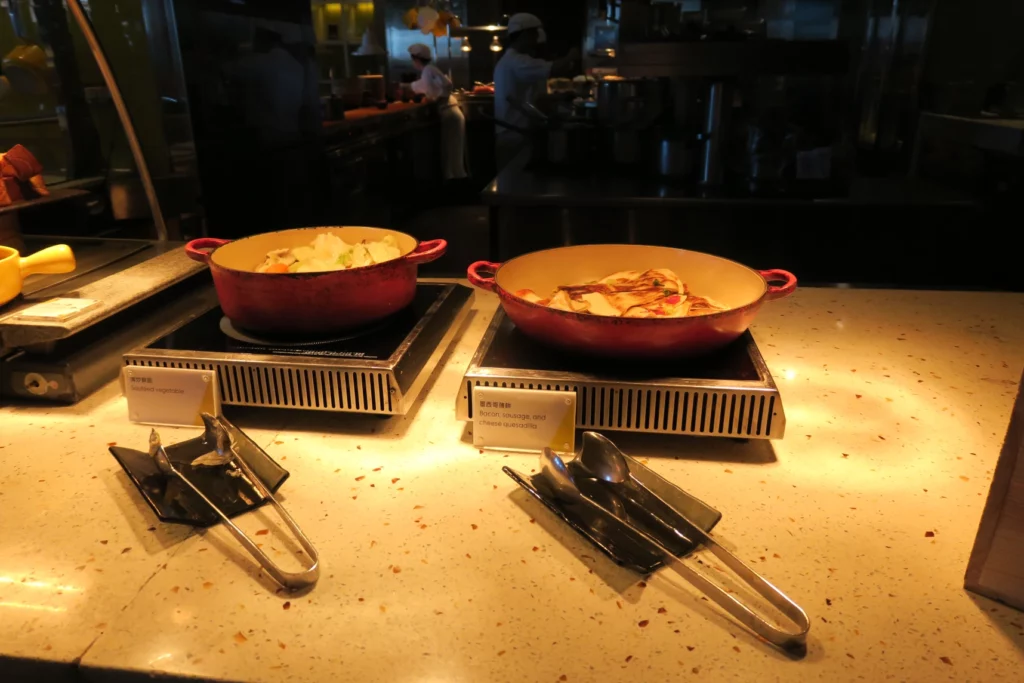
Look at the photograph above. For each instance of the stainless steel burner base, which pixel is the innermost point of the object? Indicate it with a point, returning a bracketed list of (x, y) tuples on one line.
[(744, 409), (384, 387)]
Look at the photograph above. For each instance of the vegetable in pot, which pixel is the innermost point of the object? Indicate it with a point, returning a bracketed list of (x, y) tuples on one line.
[(329, 252)]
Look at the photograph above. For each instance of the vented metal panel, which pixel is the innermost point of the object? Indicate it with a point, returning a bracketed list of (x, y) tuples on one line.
[(361, 391), (709, 413), (741, 401), (357, 383)]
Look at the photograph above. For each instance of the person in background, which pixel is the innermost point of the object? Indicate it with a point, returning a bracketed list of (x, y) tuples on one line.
[(437, 87), (521, 77)]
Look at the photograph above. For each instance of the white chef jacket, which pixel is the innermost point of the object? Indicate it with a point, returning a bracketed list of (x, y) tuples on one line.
[(521, 77), (434, 84)]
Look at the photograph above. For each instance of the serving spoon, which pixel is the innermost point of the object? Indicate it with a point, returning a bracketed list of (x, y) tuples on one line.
[(609, 464)]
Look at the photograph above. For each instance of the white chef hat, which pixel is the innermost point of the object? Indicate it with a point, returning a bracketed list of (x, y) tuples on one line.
[(420, 50), (524, 20)]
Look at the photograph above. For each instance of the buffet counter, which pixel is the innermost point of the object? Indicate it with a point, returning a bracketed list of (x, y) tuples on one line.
[(382, 163), (394, 119), (435, 566), (523, 182)]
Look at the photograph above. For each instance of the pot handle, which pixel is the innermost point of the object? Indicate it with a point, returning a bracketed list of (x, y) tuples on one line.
[(477, 279), (428, 251), (787, 279), (194, 249), (56, 259)]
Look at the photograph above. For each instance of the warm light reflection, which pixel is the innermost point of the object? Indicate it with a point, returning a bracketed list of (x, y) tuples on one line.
[(180, 616), (888, 406), (40, 584), (496, 45), (166, 655), (25, 605)]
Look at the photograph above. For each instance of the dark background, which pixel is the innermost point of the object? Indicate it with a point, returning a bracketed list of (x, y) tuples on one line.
[(915, 198)]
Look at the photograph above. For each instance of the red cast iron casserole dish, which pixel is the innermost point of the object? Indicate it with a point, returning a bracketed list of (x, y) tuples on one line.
[(311, 303), (741, 289)]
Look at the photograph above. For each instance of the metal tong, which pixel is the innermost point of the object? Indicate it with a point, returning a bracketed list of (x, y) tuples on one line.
[(609, 465), (227, 454)]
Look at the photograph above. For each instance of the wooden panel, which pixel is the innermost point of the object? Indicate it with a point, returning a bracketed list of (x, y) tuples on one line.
[(995, 569)]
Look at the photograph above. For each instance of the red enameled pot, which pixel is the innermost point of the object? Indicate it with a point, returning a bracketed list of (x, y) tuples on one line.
[(311, 303), (742, 289)]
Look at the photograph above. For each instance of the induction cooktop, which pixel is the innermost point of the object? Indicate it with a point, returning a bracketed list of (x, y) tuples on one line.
[(727, 393), (377, 369)]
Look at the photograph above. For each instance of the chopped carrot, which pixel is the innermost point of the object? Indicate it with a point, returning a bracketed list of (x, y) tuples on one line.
[(277, 268)]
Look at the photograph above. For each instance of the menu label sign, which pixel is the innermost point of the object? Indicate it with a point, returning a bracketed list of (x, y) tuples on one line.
[(170, 396), (524, 419), (56, 310)]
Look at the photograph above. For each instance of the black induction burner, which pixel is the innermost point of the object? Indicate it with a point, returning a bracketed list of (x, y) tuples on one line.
[(511, 349), (213, 332), (377, 369), (726, 393)]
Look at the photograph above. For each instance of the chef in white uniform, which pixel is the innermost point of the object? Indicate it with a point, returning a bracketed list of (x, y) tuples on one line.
[(437, 87), (522, 77)]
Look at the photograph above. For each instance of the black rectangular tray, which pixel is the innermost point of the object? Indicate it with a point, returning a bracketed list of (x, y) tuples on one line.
[(173, 501), (608, 533)]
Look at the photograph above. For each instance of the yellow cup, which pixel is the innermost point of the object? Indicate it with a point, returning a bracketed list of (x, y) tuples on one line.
[(14, 269)]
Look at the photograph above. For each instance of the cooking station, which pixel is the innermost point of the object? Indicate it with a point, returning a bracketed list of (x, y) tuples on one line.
[(247, 436), (135, 287), (730, 393), (378, 369)]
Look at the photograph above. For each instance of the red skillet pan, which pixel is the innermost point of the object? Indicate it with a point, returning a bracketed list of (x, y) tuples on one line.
[(741, 289), (310, 303)]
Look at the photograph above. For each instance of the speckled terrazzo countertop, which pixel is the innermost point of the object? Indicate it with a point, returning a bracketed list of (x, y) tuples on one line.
[(436, 568)]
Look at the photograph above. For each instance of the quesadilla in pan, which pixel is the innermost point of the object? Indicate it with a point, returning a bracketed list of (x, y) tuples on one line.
[(654, 293)]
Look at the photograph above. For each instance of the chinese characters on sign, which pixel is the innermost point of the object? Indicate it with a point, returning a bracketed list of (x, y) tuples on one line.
[(495, 404), (524, 419), (170, 396)]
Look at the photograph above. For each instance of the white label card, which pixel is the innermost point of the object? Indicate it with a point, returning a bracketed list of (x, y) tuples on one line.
[(170, 396), (524, 419), (57, 310)]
